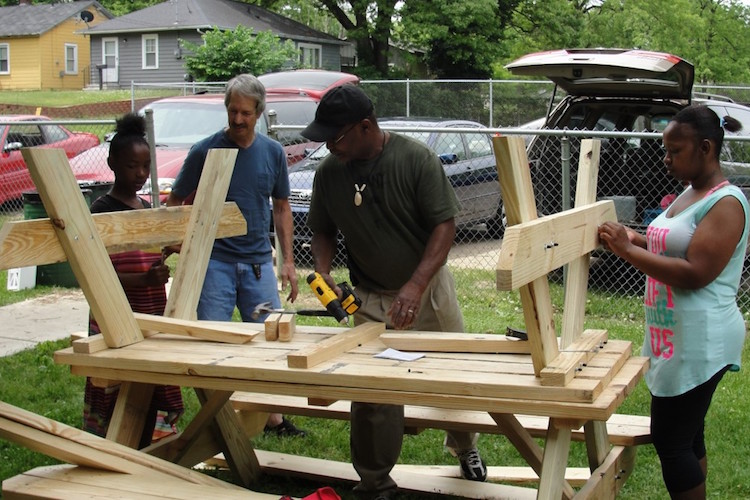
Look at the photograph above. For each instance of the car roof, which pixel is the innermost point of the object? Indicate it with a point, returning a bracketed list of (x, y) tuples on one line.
[(20, 118), (425, 122), (192, 98), (313, 82), (611, 72)]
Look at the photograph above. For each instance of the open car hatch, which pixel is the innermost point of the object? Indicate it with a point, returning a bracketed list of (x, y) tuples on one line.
[(611, 72)]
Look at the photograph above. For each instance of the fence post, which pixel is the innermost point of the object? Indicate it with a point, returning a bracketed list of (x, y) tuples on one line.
[(408, 97), (492, 104), (565, 165), (151, 138)]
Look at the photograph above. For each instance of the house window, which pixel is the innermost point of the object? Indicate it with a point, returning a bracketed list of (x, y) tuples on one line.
[(71, 59), (4, 59), (150, 44), (310, 55)]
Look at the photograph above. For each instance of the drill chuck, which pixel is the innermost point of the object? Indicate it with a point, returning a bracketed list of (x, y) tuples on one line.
[(327, 297)]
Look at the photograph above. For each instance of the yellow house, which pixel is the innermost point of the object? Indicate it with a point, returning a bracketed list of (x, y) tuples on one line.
[(43, 46)]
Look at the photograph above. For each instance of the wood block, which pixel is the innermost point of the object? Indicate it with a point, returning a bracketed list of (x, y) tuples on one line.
[(272, 326), (337, 344), (562, 369), (286, 327)]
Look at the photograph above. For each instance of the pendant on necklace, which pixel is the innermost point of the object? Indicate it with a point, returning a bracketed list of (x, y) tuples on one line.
[(358, 194)]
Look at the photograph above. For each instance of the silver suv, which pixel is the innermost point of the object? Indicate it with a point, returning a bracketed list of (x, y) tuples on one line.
[(619, 90)]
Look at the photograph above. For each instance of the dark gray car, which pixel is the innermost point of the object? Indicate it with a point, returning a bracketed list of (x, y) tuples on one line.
[(468, 160)]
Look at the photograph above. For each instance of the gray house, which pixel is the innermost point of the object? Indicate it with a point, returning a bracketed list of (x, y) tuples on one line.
[(143, 46)]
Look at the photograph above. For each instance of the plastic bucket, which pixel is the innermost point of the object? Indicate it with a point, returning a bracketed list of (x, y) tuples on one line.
[(59, 274)]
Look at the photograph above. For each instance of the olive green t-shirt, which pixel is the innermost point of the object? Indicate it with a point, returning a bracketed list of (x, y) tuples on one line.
[(405, 194)]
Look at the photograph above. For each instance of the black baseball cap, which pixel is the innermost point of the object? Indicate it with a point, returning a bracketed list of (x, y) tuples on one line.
[(340, 106)]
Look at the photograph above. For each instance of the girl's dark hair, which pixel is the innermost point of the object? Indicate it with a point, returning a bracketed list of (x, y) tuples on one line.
[(131, 128), (707, 124)]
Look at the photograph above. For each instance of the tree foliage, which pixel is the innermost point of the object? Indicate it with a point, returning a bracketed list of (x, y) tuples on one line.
[(474, 39), (225, 54)]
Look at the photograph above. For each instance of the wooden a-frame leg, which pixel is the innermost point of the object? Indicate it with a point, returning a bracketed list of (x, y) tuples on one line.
[(597, 442), (555, 461), (129, 416), (528, 448)]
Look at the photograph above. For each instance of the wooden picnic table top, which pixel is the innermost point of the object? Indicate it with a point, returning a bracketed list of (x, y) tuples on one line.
[(500, 383)]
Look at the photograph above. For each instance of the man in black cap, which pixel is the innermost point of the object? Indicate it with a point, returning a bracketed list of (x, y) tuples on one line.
[(390, 198)]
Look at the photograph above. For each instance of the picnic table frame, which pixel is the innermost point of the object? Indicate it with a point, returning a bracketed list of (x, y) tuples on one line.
[(577, 379)]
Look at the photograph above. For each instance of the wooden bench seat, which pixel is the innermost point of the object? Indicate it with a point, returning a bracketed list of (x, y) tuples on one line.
[(623, 430)]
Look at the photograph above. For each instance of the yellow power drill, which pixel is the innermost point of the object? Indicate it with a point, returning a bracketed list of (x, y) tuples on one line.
[(339, 309)]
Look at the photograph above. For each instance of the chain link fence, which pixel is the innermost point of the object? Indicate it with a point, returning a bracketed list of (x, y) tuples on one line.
[(631, 169)]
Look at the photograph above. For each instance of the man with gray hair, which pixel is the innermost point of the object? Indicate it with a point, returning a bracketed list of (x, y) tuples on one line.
[(240, 272)]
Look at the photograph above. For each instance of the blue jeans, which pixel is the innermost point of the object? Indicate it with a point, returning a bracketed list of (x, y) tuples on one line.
[(234, 284)]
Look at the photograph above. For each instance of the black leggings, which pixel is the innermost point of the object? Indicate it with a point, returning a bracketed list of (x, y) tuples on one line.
[(677, 431)]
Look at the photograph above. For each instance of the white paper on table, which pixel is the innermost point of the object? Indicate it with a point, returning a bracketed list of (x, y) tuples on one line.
[(399, 355)]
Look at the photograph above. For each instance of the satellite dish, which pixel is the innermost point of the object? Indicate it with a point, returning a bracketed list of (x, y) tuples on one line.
[(86, 16)]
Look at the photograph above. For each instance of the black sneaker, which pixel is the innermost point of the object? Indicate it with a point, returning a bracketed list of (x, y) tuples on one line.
[(472, 466), (285, 429)]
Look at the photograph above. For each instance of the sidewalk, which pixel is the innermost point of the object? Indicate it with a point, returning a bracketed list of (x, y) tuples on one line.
[(50, 317)]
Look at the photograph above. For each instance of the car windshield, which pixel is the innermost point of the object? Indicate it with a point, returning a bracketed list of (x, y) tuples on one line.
[(184, 124), (292, 113)]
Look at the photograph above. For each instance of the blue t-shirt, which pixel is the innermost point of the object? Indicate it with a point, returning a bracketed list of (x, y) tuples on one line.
[(692, 334), (260, 173)]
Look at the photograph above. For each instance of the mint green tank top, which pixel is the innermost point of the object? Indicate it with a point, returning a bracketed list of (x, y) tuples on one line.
[(692, 334)]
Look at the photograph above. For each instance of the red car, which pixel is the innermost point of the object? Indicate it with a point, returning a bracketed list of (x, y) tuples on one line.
[(313, 82), (179, 122), (293, 97), (20, 131)]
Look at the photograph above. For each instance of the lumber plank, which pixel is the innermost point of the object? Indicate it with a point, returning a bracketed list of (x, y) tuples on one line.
[(561, 370), (193, 328), (184, 293), (529, 449), (577, 278), (601, 408), (315, 468), (608, 479), (63, 201), (332, 346), (67, 482), (200, 234), (534, 248), (518, 195), (75, 446), (556, 451), (34, 242), (454, 342), (621, 429)]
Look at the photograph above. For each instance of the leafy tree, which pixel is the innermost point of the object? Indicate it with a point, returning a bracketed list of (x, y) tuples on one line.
[(462, 38), (225, 54)]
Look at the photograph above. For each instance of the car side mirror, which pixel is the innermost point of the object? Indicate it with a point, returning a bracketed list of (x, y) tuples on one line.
[(12, 146), (448, 158)]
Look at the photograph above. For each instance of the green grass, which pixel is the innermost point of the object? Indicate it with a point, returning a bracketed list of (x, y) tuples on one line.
[(72, 97), (31, 380)]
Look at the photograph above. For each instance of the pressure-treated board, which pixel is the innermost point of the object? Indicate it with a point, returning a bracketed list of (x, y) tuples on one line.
[(193, 328), (78, 447), (34, 242), (454, 342), (518, 200), (532, 249), (576, 281), (63, 200), (347, 339)]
